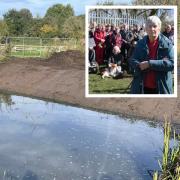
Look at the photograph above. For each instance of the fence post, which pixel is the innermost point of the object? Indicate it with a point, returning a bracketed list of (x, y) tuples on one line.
[(40, 46), (23, 48), (75, 44)]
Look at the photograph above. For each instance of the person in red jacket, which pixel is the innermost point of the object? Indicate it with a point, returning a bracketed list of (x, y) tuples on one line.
[(116, 38), (99, 37)]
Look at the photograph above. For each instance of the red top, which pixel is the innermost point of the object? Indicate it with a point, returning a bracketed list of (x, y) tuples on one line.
[(150, 77), (116, 40), (98, 35)]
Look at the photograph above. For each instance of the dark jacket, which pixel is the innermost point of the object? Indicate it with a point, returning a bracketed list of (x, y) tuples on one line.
[(162, 67), (116, 59)]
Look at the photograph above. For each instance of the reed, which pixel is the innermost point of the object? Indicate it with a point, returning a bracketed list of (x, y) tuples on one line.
[(170, 165), (167, 130), (155, 176)]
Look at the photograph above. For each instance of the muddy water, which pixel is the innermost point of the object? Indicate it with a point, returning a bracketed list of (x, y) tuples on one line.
[(43, 140)]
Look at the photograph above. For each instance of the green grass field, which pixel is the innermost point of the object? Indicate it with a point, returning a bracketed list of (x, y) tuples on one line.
[(26, 53), (97, 85)]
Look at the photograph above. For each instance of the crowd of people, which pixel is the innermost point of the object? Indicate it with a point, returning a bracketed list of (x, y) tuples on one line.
[(112, 43), (146, 50), (115, 44)]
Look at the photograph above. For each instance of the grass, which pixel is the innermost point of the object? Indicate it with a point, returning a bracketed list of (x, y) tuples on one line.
[(2, 58), (26, 53), (97, 85), (3, 53), (170, 165)]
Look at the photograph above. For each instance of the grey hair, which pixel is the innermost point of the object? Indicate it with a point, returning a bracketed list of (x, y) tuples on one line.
[(153, 20)]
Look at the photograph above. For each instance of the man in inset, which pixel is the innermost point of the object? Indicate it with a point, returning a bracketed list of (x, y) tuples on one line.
[(153, 61)]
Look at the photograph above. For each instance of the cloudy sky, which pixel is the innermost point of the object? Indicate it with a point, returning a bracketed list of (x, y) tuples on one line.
[(40, 6)]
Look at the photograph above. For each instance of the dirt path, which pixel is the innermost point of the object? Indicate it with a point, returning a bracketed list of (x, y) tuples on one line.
[(62, 78)]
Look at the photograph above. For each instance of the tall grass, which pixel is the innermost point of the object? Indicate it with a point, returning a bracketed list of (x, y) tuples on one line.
[(170, 165), (4, 50), (167, 130)]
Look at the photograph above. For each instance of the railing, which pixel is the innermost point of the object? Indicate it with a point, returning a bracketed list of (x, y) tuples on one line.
[(101, 17), (36, 51)]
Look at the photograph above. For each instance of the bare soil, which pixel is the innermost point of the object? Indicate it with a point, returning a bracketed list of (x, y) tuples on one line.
[(62, 78)]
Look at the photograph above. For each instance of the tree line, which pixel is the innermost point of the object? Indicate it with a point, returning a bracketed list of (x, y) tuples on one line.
[(59, 21)]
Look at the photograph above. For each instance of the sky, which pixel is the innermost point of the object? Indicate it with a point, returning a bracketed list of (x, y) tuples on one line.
[(39, 7)]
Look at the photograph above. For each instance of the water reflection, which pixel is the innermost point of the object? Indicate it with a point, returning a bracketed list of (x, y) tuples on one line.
[(41, 140), (6, 99)]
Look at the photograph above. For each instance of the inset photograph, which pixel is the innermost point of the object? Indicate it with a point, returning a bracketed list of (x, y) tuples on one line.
[(131, 51)]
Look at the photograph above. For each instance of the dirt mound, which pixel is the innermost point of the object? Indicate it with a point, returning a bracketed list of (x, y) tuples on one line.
[(71, 59), (67, 59), (62, 60)]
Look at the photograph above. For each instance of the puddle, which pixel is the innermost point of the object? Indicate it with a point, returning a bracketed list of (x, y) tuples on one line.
[(50, 141)]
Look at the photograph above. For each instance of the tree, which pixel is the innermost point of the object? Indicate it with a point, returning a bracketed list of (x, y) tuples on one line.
[(35, 29), (159, 2), (3, 28), (57, 15), (18, 22), (48, 31), (74, 27), (26, 20), (12, 20)]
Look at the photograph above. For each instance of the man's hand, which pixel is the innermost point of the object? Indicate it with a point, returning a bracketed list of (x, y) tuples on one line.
[(144, 65)]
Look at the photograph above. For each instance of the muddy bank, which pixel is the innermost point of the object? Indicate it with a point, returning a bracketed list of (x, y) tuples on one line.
[(62, 78)]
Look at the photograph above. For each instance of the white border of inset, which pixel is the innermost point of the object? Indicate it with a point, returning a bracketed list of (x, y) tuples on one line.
[(132, 95)]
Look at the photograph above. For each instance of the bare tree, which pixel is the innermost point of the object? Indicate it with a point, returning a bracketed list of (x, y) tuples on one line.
[(159, 2)]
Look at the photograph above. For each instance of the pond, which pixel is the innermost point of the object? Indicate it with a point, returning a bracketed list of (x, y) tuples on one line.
[(51, 141)]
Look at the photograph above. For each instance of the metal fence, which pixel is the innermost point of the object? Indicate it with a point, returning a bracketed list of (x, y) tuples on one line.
[(35, 47), (115, 18)]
